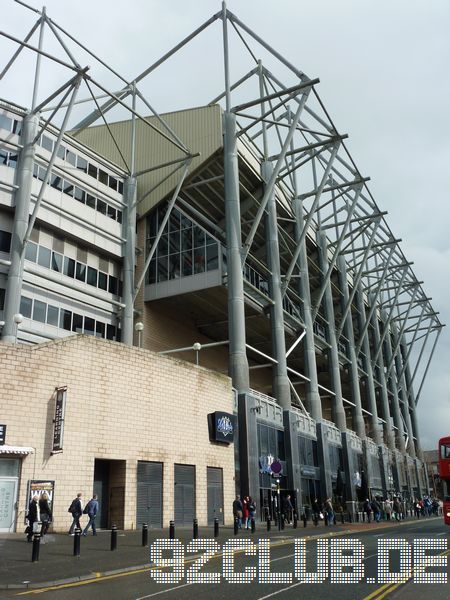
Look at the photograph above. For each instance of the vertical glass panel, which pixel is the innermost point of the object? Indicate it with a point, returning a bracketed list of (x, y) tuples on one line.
[(5, 241), (103, 176), (90, 201), (80, 272), (102, 280), (152, 271), (120, 187), (162, 268), (12, 162), (174, 266), (44, 257), (174, 242), (185, 222), (112, 285), (119, 216), (56, 182), (65, 319), (47, 143), (17, 127), (280, 445), (77, 323), (92, 276), (186, 263), (80, 195), (9, 467), (39, 311), (101, 206), (174, 220), (5, 123), (199, 237), (212, 257), (4, 156), (71, 158), (186, 239), (199, 260), (92, 170), (57, 262), (152, 224), (163, 246), (82, 164), (111, 212), (52, 315), (61, 152), (69, 266), (89, 325), (112, 182), (25, 307), (111, 332), (68, 188), (100, 329), (210, 240)]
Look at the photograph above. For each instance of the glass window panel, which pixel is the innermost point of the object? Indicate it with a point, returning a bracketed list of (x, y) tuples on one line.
[(80, 272), (174, 266), (52, 315), (280, 445), (163, 246), (100, 329), (12, 162), (5, 241), (174, 242), (25, 307), (3, 156), (185, 222), (102, 280), (57, 262), (92, 170), (111, 212), (2, 298), (47, 143), (89, 325), (90, 201), (152, 224), (68, 188), (199, 237), (120, 187), (69, 267), (186, 239), (199, 260), (39, 311), (186, 263), (120, 287), (212, 257), (31, 251), (210, 240), (101, 206), (112, 285), (112, 182), (42, 172), (44, 257), (110, 332), (56, 182), (82, 164), (71, 158), (61, 152), (92, 276), (65, 319), (77, 323), (152, 271), (5, 122), (174, 221), (119, 216), (80, 195), (162, 268), (103, 176), (17, 127)]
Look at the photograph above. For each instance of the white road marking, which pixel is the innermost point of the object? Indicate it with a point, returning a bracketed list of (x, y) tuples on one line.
[(164, 591)]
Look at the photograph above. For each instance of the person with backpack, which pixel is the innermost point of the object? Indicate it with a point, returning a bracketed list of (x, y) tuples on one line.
[(76, 510), (251, 509), (91, 510)]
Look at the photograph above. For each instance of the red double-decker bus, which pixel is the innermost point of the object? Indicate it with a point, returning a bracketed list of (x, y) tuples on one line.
[(444, 474)]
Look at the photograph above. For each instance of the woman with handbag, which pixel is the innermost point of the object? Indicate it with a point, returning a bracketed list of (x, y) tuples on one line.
[(33, 518), (46, 514)]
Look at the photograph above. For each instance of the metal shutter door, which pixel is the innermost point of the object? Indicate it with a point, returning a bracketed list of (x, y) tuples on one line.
[(215, 494), (149, 494), (184, 494)]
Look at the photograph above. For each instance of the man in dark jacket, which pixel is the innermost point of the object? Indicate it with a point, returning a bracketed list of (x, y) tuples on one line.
[(238, 510), (76, 509), (91, 510)]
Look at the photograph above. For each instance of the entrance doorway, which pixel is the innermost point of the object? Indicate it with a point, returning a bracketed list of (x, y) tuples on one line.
[(184, 494), (9, 484), (149, 494), (215, 494), (109, 485)]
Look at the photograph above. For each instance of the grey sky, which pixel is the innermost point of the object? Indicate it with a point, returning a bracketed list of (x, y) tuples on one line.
[(385, 81)]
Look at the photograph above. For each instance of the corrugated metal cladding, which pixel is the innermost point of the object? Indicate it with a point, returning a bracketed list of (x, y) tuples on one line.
[(184, 494), (200, 129), (149, 494), (215, 494)]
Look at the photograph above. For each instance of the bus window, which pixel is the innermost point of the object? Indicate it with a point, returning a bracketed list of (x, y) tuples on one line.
[(445, 451)]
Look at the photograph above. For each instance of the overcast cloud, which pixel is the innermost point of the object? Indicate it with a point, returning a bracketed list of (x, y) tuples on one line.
[(384, 72)]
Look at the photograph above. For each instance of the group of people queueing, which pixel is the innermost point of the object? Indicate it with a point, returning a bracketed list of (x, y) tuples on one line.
[(244, 511)]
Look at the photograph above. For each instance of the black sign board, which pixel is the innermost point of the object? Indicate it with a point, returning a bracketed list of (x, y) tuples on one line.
[(221, 427), (2, 434), (58, 421)]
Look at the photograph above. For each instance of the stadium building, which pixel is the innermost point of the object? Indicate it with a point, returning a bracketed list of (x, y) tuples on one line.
[(199, 303)]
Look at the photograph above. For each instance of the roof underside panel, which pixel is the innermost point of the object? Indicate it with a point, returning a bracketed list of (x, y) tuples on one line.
[(200, 130)]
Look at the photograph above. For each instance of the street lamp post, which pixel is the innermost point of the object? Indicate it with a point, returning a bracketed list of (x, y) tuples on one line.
[(18, 318), (139, 327)]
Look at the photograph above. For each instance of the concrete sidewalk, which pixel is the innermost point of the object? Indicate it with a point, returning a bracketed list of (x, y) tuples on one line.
[(57, 564)]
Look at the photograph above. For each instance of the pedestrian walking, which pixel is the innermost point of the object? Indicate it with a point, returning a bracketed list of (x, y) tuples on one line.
[(288, 509), (397, 509), (367, 509), (376, 509), (317, 510), (91, 510), (328, 508), (245, 511), (251, 509), (76, 510), (45, 514), (238, 510), (32, 517), (388, 508)]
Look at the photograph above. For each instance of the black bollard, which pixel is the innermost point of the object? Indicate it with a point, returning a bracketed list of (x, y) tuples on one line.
[(268, 523), (325, 519), (364, 517), (36, 547), (114, 537), (236, 526), (282, 520), (305, 520), (77, 542), (195, 529), (252, 523), (144, 534), (172, 530), (216, 527), (334, 519), (342, 518), (295, 521), (350, 517)]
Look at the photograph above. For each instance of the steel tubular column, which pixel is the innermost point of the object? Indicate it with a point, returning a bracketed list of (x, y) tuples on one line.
[(358, 420), (281, 385), (370, 387), (388, 433), (401, 383), (393, 386), (22, 201), (338, 411), (236, 308), (129, 259), (409, 393)]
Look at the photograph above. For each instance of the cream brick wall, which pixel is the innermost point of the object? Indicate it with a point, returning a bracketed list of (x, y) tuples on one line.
[(123, 403)]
